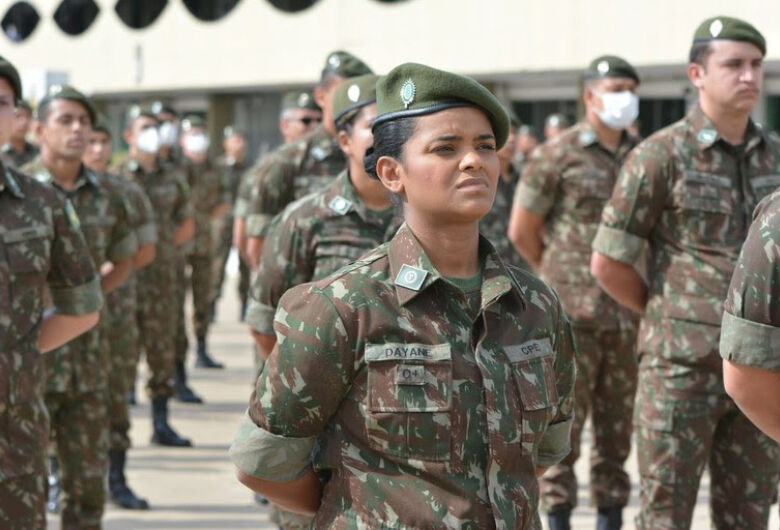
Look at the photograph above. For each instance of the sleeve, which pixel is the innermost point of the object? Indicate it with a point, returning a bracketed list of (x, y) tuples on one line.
[(285, 265), (299, 389), (123, 242), (271, 192), (183, 208), (73, 281), (636, 204), (146, 228), (244, 195), (751, 321), (538, 186)]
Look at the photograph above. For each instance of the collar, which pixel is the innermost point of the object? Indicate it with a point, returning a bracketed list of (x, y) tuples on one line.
[(322, 144), (342, 198), (9, 181), (706, 135), (41, 173), (587, 137), (412, 271)]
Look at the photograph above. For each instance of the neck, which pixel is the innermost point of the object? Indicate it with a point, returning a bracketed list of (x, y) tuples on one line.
[(17, 144), (370, 190), (147, 161), (453, 249), (64, 170), (608, 137), (730, 124)]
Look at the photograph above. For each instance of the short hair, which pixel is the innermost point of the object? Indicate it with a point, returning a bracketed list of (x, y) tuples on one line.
[(700, 52), (389, 139)]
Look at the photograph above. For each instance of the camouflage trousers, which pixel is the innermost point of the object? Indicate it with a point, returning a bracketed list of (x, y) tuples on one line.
[(605, 388), (122, 336), (181, 343), (22, 502), (79, 429), (157, 314), (224, 238)]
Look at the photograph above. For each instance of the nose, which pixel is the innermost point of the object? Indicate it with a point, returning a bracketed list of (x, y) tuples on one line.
[(471, 161)]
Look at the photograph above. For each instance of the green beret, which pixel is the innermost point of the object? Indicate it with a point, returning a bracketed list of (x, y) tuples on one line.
[(728, 28), (353, 95), (412, 89), (344, 64), (556, 120), (193, 121), (134, 111), (514, 120), (68, 92), (299, 99), (158, 107), (9, 71), (232, 130), (610, 66), (101, 124)]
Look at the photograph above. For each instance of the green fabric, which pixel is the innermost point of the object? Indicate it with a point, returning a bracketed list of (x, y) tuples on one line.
[(345, 64), (514, 120), (134, 111), (413, 89), (299, 99), (610, 66), (193, 121), (467, 285), (351, 96), (8, 71), (69, 93), (750, 343), (729, 28), (158, 107)]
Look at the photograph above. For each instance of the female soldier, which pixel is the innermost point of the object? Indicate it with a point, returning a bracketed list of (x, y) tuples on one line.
[(436, 382), (41, 246)]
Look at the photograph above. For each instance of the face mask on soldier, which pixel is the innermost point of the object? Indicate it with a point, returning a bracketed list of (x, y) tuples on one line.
[(196, 143), (620, 109), (169, 133), (148, 140)]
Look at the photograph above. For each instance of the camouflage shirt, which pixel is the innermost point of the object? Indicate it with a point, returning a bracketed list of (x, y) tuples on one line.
[(751, 320), (40, 246), (567, 180), (82, 364), (233, 171), (690, 196), (312, 238), (15, 159), (208, 187), (495, 225), (292, 171), (429, 415)]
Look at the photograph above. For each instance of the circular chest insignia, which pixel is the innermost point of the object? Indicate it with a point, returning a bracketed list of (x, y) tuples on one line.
[(407, 92), (603, 67), (353, 93), (716, 27)]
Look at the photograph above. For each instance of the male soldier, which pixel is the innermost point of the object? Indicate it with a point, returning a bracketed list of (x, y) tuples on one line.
[(168, 132), (750, 337), (564, 187), (494, 224), (77, 373), (688, 192), (525, 142), (120, 320), (18, 151), (166, 188), (303, 166), (232, 165), (41, 245), (554, 125), (210, 198)]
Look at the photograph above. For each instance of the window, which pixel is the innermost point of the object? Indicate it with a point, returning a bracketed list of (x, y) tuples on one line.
[(139, 14), (292, 6), (74, 17), (20, 21), (210, 10)]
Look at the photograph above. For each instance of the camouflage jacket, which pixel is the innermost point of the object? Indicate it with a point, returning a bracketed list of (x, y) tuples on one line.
[(690, 196), (15, 159), (40, 246), (428, 415), (292, 171), (104, 214), (495, 225), (751, 320), (244, 193), (567, 181), (313, 237), (209, 189), (233, 171)]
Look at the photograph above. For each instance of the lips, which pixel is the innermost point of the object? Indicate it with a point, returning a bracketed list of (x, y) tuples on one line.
[(472, 183)]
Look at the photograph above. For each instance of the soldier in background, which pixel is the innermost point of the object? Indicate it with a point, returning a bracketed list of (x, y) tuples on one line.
[(525, 142), (168, 132), (554, 125), (18, 151)]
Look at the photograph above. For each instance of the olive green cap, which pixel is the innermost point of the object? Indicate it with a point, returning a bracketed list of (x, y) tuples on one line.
[(193, 121), (344, 64), (729, 28), (134, 111), (514, 119), (412, 89), (158, 107), (101, 124), (68, 92), (353, 95), (10, 72), (556, 120), (299, 99), (610, 66), (232, 130)]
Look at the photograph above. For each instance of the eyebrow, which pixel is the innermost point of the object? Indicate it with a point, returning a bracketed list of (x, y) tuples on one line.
[(452, 137)]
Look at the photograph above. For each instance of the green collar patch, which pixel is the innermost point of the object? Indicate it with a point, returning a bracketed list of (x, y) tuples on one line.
[(707, 136), (340, 205), (410, 277)]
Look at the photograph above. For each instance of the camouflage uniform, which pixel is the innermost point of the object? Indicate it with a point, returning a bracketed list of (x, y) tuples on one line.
[(292, 171), (751, 317), (430, 407), (77, 373), (689, 195), (567, 181), (40, 244), (495, 224), (166, 188), (14, 159)]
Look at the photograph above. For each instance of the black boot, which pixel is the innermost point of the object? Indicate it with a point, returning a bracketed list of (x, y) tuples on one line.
[(610, 518), (559, 519), (120, 492), (182, 392), (204, 360), (163, 433), (53, 502)]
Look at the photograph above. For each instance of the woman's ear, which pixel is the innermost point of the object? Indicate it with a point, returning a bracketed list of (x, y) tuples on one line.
[(389, 171), (344, 144)]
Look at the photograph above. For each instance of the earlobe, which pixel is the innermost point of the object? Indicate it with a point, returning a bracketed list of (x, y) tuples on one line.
[(343, 139), (389, 172)]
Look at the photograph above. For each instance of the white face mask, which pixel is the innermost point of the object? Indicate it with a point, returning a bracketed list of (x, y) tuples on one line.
[(148, 141), (196, 143), (169, 133), (620, 109)]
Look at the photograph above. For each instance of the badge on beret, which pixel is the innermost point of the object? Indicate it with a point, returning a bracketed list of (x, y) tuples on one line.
[(603, 67), (340, 205), (353, 93), (410, 277), (55, 89), (303, 100), (407, 92), (72, 216), (716, 27), (334, 61)]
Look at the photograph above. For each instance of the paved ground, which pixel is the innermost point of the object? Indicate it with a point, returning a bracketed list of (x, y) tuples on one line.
[(195, 489)]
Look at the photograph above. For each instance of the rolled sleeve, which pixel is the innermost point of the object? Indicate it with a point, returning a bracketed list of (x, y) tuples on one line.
[(240, 208), (257, 223), (262, 454), (750, 343), (618, 244), (261, 317), (124, 248), (532, 199), (79, 299), (555, 443), (147, 234)]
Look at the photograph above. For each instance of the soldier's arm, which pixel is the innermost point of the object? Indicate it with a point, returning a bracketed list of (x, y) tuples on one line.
[(620, 281), (301, 495), (757, 393), (122, 245), (184, 232), (146, 229), (270, 193)]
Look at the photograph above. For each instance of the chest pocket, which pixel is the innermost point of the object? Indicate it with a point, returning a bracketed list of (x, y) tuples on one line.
[(28, 250), (704, 192), (408, 398), (328, 257), (163, 198), (589, 189)]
